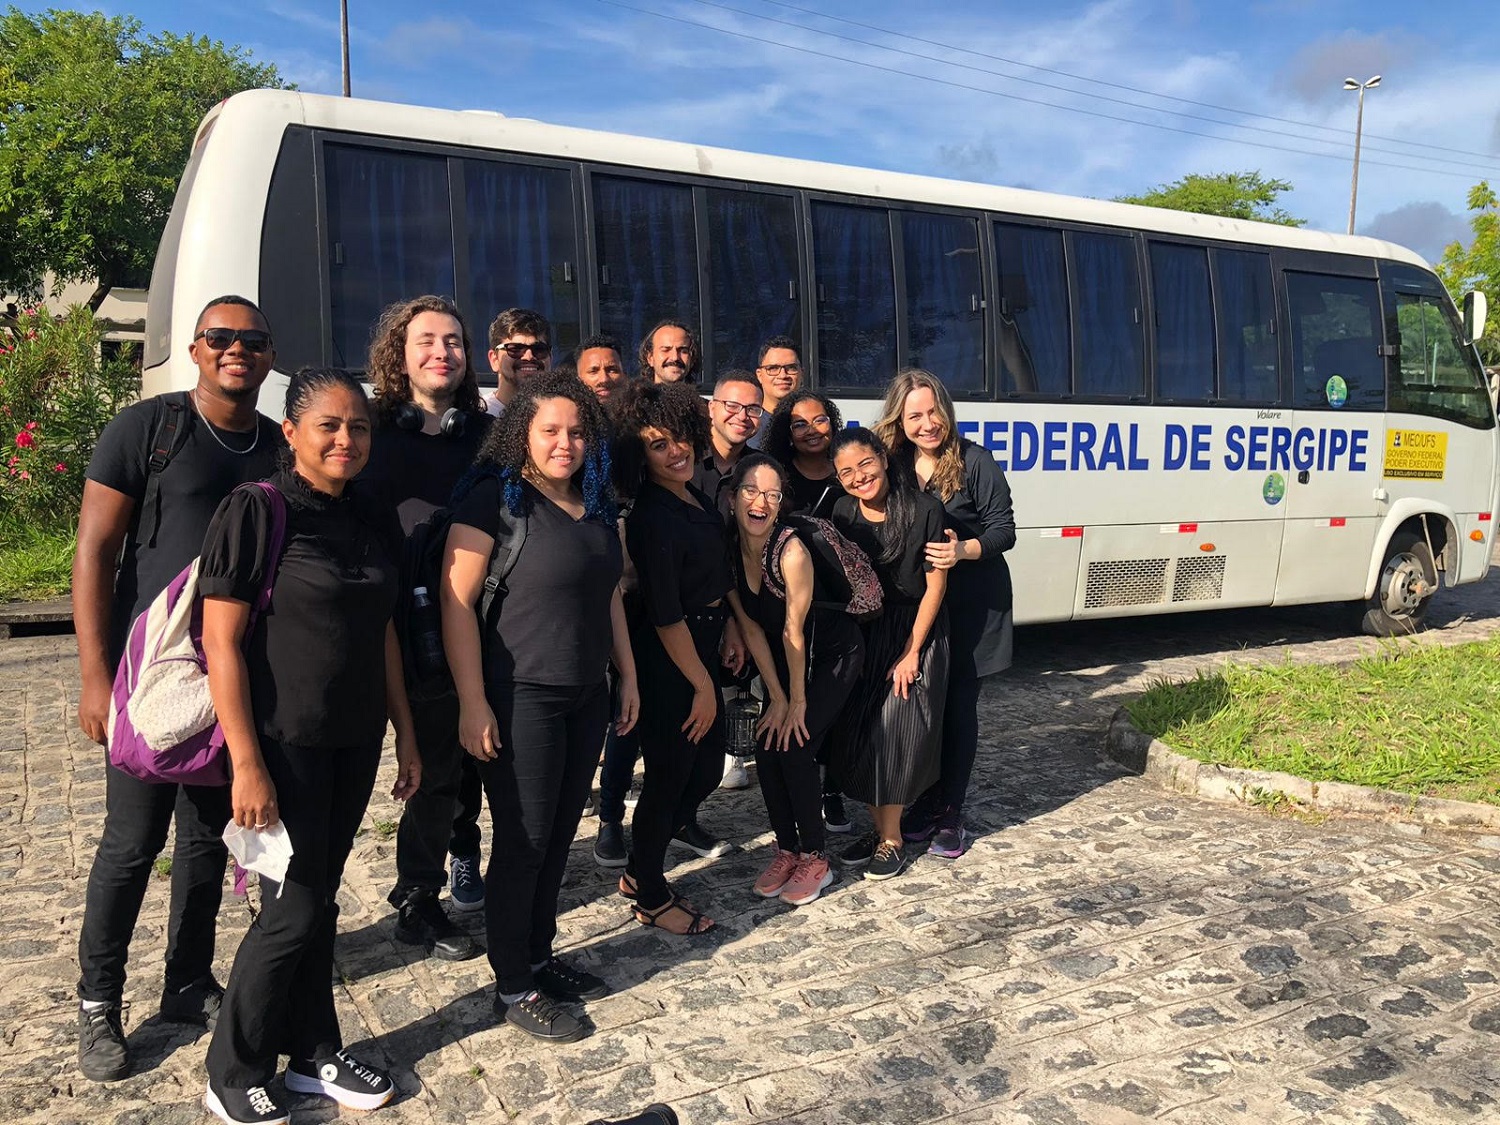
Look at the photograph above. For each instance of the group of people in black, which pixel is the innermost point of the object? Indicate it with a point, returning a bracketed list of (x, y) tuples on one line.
[(660, 545)]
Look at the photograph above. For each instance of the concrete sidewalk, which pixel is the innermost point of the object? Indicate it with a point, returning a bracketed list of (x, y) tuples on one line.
[(1106, 952)]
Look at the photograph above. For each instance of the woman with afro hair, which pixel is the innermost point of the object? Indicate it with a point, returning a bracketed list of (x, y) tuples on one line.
[(533, 705)]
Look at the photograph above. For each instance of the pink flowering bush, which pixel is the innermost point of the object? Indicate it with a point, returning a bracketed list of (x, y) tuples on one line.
[(56, 395)]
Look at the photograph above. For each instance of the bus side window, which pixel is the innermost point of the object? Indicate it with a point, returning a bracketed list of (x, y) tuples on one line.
[(1245, 307), (1035, 336), (1336, 336), (753, 273), (856, 297), (1436, 375), (1182, 300), (944, 298), (1109, 358)]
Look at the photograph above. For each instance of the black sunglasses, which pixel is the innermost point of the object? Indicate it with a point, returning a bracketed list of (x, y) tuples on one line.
[(256, 340), (541, 349)]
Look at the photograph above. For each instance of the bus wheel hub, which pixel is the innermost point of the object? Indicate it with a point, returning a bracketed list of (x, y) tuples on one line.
[(1403, 586)]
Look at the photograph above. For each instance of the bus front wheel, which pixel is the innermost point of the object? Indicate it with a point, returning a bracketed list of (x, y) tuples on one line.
[(1408, 579)]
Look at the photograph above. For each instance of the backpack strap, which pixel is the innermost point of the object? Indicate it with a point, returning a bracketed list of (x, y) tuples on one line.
[(510, 537), (164, 442)]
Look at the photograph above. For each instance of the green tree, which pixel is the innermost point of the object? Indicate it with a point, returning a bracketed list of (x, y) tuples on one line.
[(1477, 266), (1234, 195), (96, 124)]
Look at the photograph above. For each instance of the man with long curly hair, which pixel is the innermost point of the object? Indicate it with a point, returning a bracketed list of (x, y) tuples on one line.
[(429, 423)]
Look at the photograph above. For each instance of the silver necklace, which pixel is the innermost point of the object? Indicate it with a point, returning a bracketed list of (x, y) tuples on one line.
[(254, 441)]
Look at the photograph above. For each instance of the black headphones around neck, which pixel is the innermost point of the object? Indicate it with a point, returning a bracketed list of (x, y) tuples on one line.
[(410, 416)]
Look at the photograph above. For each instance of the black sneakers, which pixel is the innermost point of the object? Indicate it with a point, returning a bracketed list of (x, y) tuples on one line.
[(351, 1083), (561, 981), (858, 853), (198, 1003), (835, 819), (421, 920), (693, 837), (609, 845), (887, 861), (540, 1017), (102, 1054), (254, 1106)]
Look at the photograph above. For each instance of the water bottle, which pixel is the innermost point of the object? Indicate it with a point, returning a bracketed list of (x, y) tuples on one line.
[(427, 635)]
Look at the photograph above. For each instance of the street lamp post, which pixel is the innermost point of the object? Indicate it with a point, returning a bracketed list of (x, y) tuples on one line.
[(1359, 128), (344, 43)]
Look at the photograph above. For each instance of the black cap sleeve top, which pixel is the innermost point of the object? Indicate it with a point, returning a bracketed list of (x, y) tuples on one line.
[(554, 626), (905, 578), (680, 552), (316, 658)]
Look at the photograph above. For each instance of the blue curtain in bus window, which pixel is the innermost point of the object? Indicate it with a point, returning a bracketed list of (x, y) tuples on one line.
[(647, 256), (1336, 336), (753, 273), (1035, 338), (1247, 343), (856, 296), (1182, 303), (390, 232), (522, 250), (944, 295), (1107, 300)]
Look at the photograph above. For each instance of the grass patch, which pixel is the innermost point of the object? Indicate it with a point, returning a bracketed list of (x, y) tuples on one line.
[(35, 562), (385, 829), (1418, 719)]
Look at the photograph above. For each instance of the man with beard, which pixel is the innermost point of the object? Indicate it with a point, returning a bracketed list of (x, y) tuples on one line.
[(669, 354), (600, 367), (155, 480), (520, 346)]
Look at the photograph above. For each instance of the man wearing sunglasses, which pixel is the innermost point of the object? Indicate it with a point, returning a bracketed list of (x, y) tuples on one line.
[(157, 475), (520, 347)]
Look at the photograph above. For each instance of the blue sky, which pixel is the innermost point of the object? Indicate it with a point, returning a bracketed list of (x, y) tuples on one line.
[(973, 89)]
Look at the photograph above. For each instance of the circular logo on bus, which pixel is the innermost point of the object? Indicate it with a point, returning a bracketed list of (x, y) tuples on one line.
[(1274, 488), (1337, 390)]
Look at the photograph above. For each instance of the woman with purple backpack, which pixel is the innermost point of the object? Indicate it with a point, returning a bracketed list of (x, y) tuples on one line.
[(816, 653)]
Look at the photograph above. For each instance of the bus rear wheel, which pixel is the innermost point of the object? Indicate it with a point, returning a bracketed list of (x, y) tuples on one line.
[(1408, 579)]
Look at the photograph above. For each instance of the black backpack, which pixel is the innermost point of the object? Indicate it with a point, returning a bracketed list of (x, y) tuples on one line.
[(426, 670)]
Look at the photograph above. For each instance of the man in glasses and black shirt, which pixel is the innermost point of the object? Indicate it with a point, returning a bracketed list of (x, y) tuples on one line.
[(520, 347), (780, 373), (156, 477), (734, 416)]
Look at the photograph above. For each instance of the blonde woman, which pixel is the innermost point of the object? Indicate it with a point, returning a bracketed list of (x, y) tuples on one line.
[(918, 424)]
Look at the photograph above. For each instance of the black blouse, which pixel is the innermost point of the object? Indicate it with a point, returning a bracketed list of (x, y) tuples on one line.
[(905, 578), (554, 626), (316, 657), (809, 497), (681, 553)]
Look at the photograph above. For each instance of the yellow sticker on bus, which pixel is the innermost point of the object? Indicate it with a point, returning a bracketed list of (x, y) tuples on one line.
[(1415, 454)]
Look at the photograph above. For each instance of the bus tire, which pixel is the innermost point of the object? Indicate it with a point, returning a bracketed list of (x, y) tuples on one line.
[(1408, 579)]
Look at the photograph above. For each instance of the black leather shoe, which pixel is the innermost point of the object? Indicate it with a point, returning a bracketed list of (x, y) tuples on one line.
[(421, 920), (693, 837)]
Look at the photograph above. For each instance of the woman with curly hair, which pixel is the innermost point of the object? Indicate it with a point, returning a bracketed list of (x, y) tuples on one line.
[(799, 436), (533, 705), (428, 427), (886, 748), (677, 542), (919, 426)]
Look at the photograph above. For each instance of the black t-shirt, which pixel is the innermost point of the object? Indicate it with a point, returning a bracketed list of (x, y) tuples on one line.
[(809, 497), (715, 485), (317, 655), (416, 472), (199, 475), (554, 626), (904, 579), (680, 551)]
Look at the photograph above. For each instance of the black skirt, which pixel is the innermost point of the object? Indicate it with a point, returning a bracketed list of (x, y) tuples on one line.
[(887, 750)]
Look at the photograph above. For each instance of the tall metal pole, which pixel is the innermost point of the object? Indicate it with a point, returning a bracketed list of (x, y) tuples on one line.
[(344, 48), (1359, 128)]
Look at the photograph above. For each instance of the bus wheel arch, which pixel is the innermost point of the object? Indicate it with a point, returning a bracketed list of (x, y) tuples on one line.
[(1408, 577)]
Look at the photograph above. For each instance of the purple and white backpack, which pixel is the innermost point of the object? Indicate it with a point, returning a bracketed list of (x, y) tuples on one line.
[(162, 726)]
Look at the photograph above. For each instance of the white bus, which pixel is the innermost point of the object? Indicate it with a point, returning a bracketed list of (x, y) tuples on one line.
[(1193, 412)]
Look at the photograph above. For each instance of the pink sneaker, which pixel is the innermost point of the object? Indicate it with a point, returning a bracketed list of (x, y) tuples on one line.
[(775, 877), (808, 881)]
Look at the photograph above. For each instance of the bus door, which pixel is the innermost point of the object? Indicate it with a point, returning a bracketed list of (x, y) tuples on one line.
[(1324, 462)]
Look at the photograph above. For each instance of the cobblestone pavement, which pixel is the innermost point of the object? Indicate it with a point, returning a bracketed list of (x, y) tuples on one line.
[(1106, 952)]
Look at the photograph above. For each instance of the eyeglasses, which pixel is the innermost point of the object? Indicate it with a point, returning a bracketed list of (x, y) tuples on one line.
[(780, 368), (732, 408), (772, 495), (541, 349), (800, 424), (256, 340)]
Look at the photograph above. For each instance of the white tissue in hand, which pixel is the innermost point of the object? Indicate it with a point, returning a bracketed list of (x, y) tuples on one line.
[(266, 851)]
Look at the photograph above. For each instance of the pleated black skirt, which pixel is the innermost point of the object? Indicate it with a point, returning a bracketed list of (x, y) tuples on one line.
[(887, 750)]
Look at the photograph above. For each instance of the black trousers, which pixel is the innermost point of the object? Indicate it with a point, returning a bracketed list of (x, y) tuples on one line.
[(537, 786), (280, 994), (679, 775), (137, 815), (960, 739), (464, 837), (427, 820)]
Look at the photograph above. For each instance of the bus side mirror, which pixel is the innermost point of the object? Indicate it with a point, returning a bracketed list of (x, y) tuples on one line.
[(1475, 311)]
